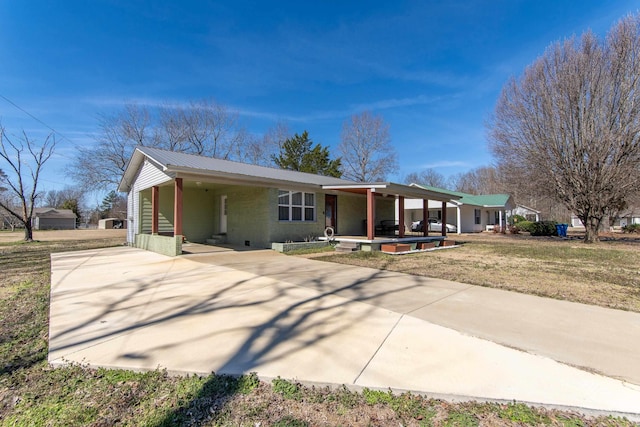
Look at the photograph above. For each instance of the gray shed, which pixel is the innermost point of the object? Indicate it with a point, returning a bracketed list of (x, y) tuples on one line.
[(53, 219), (109, 223)]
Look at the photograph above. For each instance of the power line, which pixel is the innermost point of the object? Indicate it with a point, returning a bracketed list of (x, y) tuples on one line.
[(35, 118)]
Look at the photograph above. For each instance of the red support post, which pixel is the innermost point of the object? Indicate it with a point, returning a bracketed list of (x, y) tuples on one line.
[(177, 208), (401, 216), (155, 202), (371, 214)]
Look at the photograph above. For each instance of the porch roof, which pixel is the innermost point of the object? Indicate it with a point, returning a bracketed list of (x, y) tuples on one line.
[(194, 167), (392, 189), (223, 170), (482, 200)]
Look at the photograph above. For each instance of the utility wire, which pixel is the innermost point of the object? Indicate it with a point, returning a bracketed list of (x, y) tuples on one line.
[(34, 118)]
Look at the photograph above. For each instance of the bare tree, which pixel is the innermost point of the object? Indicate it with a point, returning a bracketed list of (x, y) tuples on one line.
[(429, 177), (57, 198), (203, 127), (101, 166), (172, 132), (212, 129), (571, 123), (260, 150), (482, 180), (366, 150), (25, 166)]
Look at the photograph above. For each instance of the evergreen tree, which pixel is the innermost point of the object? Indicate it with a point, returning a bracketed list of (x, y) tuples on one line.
[(72, 204), (297, 154), (113, 205)]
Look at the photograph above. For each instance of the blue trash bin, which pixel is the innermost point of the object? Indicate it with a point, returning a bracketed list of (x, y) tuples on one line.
[(561, 229)]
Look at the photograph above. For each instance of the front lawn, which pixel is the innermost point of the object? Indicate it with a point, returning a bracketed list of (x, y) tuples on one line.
[(33, 394), (605, 274)]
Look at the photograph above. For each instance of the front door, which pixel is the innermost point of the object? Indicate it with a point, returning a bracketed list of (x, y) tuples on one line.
[(223, 214), (330, 210)]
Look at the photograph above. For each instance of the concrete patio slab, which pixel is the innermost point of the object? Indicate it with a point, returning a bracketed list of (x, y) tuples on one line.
[(238, 312)]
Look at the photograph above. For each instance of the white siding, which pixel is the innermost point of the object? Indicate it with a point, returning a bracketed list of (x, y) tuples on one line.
[(133, 203), (148, 176)]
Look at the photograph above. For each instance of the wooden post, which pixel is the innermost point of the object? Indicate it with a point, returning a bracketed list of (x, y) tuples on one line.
[(177, 208), (155, 201), (425, 217), (401, 216), (444, 219), (371, 213)]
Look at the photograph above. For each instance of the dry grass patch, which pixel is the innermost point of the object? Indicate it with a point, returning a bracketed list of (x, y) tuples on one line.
[(605, 274)]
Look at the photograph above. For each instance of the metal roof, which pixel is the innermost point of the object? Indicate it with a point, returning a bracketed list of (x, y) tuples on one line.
[(194, 166), (484, 200), (53, 213), (172, 161), (393, 189)]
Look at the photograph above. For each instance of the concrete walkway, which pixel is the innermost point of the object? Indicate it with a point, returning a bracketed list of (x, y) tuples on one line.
[(238, 312)]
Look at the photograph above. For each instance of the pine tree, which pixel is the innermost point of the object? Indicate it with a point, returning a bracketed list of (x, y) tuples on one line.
[(297, 154)]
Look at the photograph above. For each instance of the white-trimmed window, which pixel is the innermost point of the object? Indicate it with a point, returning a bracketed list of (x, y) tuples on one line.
[(296, 206), (476, 214)]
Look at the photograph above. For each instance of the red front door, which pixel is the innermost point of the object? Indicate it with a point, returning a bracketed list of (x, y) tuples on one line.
[(330, 210)]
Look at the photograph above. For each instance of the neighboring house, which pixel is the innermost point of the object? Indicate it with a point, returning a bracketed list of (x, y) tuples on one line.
[(529, 213), (575, 221), (53, 219), (624, 218), (468, 212), (627, 217), (173, 195)]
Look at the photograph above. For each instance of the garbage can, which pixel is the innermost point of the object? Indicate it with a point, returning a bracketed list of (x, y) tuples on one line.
[(561, 229)]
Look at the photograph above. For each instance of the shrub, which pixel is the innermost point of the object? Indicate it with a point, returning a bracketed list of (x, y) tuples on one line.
[(544, 228), (516, 219), (525, 226), (631, 228)]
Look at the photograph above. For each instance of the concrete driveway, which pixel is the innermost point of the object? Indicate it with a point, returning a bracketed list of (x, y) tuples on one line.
[(238, 312)]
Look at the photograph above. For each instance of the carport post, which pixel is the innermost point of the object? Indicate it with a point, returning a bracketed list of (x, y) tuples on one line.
[(425, 217), (401, 216), (155, 201), (177, 208), (444, 219), (371, 213)]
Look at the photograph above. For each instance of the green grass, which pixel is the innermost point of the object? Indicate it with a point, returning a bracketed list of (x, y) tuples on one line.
[(287, 389), (318, 250), (523, 414)]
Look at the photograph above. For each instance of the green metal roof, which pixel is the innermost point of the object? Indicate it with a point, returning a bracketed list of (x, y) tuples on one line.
[(485, 200)]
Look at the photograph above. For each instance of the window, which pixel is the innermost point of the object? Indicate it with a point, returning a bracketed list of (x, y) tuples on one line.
[(296, 206), (477, 214)]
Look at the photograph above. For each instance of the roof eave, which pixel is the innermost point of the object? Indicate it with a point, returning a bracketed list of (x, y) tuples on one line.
[(137, 158), (391, 188), (239, 178)]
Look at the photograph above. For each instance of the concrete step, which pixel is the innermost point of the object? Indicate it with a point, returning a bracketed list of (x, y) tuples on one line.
[(217, 239), (347, 247)]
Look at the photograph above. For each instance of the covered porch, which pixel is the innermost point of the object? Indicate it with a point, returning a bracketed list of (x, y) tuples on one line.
[(382, 230)]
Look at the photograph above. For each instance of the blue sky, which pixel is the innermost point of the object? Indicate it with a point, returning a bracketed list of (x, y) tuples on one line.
[(431, 69)]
